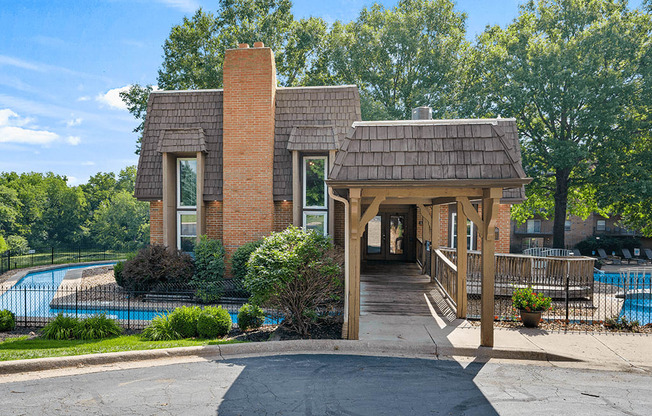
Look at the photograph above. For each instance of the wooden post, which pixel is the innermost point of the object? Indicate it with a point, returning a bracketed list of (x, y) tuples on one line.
[(435, 233), (297, 199), (354, 263), (489, 216), (169, 200), (201, 212), (462, 257)]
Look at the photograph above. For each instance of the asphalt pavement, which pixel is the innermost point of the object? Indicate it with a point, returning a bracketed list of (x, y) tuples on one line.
[(337, 384)]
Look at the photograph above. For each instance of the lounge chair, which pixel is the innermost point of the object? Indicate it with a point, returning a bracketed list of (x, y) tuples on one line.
[(603, 256), (648, 253), (629, 258), (576, 252)]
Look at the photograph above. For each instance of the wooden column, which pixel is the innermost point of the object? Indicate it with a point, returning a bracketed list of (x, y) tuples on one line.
[(435, 235), (297, 198), (462, 257), (169, 200), (490, 200), (354, 263), (201, 212)]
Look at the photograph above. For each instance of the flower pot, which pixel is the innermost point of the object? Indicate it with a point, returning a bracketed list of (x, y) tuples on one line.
[(531, 319)]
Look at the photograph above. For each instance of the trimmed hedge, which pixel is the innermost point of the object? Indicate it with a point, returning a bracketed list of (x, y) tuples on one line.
[(241, 257), (7, 320), (214, 322), (155, 265), (183, 321), (250, 317)]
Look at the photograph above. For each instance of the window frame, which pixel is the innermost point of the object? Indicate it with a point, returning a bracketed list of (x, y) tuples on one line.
[(179, 206), (471, 242), (303, 183), (604, 225), (179, 235), (324, 213), (567, 225), (533, 221)]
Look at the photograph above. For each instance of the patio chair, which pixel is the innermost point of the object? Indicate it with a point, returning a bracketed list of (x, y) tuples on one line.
[(648, 253), (603, 256), (576, 252), (629, 258)]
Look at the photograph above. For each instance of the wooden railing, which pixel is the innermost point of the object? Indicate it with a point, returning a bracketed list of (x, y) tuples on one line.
[(446, 274)]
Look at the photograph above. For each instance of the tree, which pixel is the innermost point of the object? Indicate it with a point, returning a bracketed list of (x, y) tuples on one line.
[(568, 70), (9, 209), (99, 188), (64, 213), (127, 179), (121, 223), (193, 54), (400, 58)]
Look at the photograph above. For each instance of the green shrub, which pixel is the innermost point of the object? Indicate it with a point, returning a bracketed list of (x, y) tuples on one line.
[(17, 245), (184, 321), (250, 317), (3, 245), (214, 322), (526, 299), (208, 292), (61, 327), (590, 245), (97, 327), (119, 267), (241, 257), (7, 320), (156, 265), (209, 270), (298, 272), (160, 329)]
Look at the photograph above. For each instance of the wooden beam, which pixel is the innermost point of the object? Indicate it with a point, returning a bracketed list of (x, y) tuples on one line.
[(470, 213), (422, 192), (297, 199), (489, 214), (435, 232), (371, 211), (425, 213), (462, 257)]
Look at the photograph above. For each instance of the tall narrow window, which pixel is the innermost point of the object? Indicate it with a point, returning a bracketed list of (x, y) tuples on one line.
[(315, 194), (186, 204), (470, 231)]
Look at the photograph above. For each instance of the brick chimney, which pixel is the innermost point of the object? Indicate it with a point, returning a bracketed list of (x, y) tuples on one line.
[(248, 144)]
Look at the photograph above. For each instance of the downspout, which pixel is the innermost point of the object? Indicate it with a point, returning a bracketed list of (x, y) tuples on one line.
[(346, 252)]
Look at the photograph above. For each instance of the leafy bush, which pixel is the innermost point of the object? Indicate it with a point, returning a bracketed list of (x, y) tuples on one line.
[(610, 244), (250, 317), (526, 299), (298, 272), (3, 245), (119, 267), (7, 320), (17, 245), (184, 321), (621, 323), (156, 265), (209, 270), (97, 327), (61, 327), (213, 322), (160, 329), (241, 257)]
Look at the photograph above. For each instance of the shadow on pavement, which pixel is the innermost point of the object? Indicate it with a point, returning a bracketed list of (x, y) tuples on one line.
[(353, 385)]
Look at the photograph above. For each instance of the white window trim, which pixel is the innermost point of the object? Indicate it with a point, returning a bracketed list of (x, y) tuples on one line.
[(534, 222), (179, 214), (604, 225), (325, 159), (179, 160), (472, 244), (324, 213)]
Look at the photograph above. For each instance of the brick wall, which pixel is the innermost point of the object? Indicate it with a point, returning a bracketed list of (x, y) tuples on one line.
[(443, 226), (338, 217), (248, 147), (214, 220), (503, 224), (282, 215), (156, 222)]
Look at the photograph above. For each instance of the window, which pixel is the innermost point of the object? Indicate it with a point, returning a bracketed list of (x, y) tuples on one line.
[(601, 225), (186, 183), (315, 194), (533, 226), (567, 225), (186, 204), (470, 232), (186, 230)]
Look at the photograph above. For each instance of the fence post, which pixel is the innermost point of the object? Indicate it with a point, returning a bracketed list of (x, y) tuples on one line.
[(567, 286), (76, 302), (79, 254), (128, 311), (25, 309), (8, 260), (52, 248)]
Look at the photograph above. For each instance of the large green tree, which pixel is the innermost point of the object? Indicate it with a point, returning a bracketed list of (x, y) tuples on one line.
[(193, 54), (570, 72), (400, 58), (121, 222)]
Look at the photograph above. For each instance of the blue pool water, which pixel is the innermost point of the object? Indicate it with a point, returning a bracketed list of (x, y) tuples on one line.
[(32, 295), (637, 305)]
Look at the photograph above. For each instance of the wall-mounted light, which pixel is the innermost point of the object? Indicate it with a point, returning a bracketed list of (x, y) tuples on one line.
[(497, 236)]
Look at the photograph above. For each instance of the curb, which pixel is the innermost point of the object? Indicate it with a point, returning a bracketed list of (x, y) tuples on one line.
[(225, 351)]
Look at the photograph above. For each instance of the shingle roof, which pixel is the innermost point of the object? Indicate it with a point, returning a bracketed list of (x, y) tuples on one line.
[(168, 111), (182, 140), (313, 138), (430, 150)]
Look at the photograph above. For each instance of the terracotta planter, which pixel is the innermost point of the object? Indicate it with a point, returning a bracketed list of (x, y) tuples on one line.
[(531, 319)]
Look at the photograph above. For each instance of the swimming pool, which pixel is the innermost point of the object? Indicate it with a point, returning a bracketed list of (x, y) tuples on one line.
[(637, 290)]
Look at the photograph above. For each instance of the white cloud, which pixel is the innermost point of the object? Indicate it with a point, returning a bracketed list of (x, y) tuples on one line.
[(74, 122), (188, 6), (84, 98), (73, 140), (12, 130), (72, 181), (112, 98)]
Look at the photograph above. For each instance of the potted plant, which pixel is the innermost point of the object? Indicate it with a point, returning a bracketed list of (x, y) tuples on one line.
[(530, 305)]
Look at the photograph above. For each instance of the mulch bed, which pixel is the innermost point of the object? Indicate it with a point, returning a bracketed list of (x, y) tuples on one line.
[(326, 328)]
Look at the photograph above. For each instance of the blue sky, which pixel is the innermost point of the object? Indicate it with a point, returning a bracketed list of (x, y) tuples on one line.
[(62, 64)]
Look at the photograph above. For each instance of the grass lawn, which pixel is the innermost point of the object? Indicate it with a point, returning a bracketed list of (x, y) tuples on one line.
[(22, 348)]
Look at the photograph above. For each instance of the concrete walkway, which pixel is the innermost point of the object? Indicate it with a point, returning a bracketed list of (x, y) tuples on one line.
[(400, 306)]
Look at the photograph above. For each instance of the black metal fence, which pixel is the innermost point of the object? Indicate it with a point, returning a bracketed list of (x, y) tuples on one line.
[(35, 305), (58, 255)]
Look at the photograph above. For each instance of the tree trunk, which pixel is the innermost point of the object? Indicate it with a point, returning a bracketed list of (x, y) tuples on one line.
[(561, 203)]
